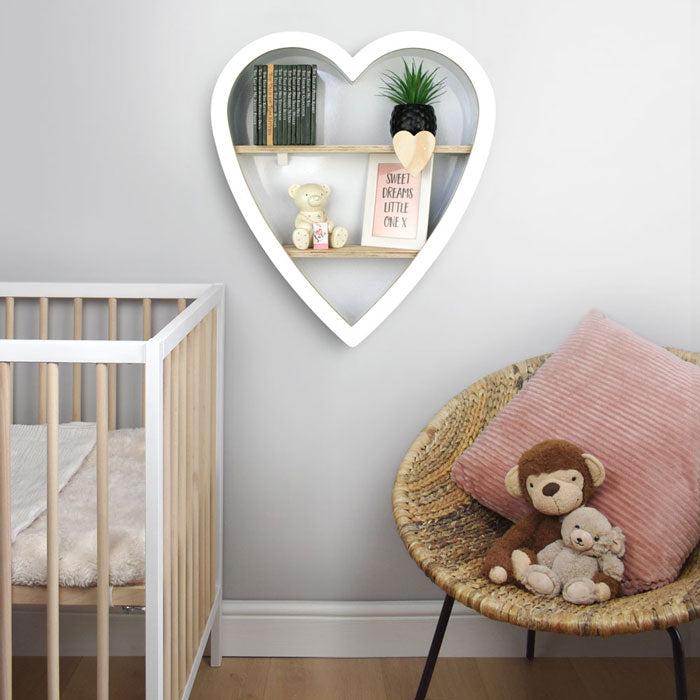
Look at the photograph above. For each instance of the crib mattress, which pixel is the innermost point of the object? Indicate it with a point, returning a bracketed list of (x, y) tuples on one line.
[(77, 516)]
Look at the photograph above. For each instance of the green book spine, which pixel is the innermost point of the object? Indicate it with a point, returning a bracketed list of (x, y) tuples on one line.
[(293, 89), (314, 80), (302, 104), (257, 105), (307, 123), (276, 104), (273, 105), (260, 105), (256, 133), (285, 105), (300, 98), (263, 126), (292, 117), (280, 111), (281, 106)]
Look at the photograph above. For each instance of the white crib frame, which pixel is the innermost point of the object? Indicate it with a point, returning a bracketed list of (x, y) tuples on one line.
[(150, 353)]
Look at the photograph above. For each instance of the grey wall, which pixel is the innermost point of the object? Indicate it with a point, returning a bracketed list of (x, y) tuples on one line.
[(108, 172)]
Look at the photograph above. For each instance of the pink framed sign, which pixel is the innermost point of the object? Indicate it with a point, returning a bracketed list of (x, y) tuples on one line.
[(396, 204)]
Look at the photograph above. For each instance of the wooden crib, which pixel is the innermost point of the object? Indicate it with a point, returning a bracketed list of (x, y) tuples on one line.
[(180, 396)]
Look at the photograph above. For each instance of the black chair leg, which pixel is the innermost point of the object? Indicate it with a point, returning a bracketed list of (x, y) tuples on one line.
[(530, 649), (678, 663), (435, 647)]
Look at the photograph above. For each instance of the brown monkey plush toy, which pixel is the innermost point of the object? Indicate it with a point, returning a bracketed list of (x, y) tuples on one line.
[(556, 477)]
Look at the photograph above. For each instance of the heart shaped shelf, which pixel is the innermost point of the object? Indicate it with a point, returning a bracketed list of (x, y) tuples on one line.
[(258, 189)]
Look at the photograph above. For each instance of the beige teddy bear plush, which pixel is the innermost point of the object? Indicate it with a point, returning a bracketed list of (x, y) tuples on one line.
[(584, 565), (311, 200)]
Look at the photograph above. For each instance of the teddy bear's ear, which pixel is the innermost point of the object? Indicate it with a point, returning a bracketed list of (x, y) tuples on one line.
[(326, 190), (293, 189), (595, 468), (513, 482)]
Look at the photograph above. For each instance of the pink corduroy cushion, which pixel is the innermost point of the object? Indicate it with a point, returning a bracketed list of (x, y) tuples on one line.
[(636, 407)]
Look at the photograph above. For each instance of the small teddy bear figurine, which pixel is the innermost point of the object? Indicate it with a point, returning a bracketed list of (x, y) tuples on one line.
[(584, 565), (311, 200)]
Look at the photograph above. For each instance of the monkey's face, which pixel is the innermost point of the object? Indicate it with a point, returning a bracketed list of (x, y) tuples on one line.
[(556, 493), (556, 476)]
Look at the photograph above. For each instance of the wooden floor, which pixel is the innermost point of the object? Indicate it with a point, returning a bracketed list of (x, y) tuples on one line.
[(379, 679)]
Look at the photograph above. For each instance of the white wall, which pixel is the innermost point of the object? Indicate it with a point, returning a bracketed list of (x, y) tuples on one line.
[(108, 172)]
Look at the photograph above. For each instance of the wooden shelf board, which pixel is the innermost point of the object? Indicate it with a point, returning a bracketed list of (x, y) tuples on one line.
[(351, 251), (329, 148)]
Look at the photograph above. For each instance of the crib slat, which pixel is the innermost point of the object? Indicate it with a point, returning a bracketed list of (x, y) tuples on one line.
[(167, 559), (10, 334), (5, 535), (183, 629), (52, 537), (43, 335), (112, 311), (202, 431), (146, 318), (174, 519), (102, 534), (181, 305), (77, 366), (191, 607), (213, 493), (9, 318), (210, 460), (146, 334), (196, 483), (205, 359)]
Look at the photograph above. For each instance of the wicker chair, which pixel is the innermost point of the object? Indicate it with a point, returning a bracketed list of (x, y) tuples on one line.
[(447, 533)]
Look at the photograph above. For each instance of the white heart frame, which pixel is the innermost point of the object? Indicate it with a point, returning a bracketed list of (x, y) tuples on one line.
[(352, 67)]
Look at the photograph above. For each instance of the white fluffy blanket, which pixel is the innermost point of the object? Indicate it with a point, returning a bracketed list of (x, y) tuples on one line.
[(78, 522), (28, 466)]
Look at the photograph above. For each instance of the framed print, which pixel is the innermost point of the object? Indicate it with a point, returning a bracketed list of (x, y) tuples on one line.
[(396, 204)]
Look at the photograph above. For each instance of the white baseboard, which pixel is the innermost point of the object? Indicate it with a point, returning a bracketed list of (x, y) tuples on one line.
[(343, 629), (388, 628)]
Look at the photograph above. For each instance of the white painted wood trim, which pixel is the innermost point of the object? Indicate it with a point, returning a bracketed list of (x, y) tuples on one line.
[(90, 351), (405, 628), (154, 521), (184, 322), (217, 636), (101, 290), (352, 67)]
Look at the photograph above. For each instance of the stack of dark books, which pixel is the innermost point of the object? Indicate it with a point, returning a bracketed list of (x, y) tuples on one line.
[(284, 105)]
